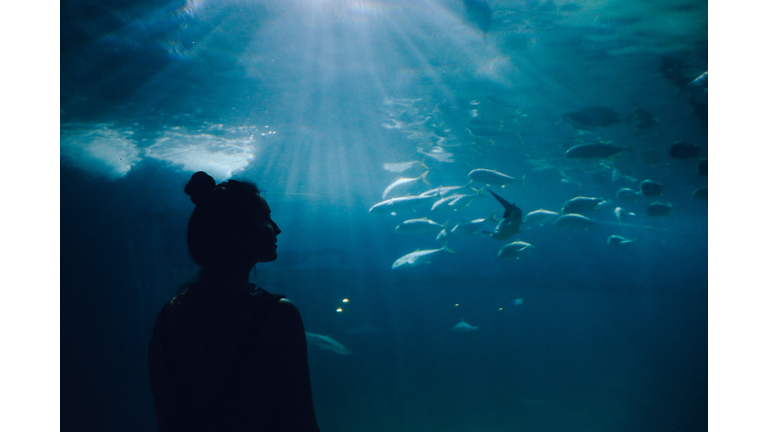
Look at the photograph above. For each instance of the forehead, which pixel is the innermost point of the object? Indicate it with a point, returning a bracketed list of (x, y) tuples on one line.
[(261, 205)]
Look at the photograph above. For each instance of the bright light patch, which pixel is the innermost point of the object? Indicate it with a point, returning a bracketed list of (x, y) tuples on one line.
[(99, 149), (217, 156), (345, 301), (338, 310)]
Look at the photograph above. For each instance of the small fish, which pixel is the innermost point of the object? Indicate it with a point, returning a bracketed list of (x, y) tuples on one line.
[(650, 188), (594, 151), (401, 166), (326, 343), (404, 183), (683, 150), (621, 214), (699, 85), (491, 177), (462, 326), (617, 240), (511, 221), (574, 221), (515, 250), (700, 193), (540, 217), (396, 204), (659, 208), (628, 194), (419, 226), (418, 257), (581, 204)]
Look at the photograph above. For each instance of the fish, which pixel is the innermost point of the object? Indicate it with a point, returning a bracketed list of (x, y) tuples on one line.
[(462, 229), (439, 191), (650, 188), (628, 194), (511, 221), (574, 221), (396, 204), (621, 214), (515, 250), (403, 183), (582, 204), (418, 257), (540, 217), (419, 226), (683, 150), (327, 343), (462, 326), (492, 177), (641, 119), (617, 240), (700, 193), (454, 201), (594, 151), (593, 117), (401, 166), (700, 84), (659, 208)]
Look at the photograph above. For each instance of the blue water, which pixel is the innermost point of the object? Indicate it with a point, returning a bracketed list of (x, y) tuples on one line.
[(310, 100)]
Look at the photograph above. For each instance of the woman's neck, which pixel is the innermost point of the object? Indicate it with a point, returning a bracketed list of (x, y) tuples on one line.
[(225, 276)]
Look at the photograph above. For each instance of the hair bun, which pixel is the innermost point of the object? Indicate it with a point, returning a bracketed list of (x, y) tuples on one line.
[(200, 186)]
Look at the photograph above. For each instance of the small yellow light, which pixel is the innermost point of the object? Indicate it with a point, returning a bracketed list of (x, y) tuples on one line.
[(345, 301), (338, 310), (457, 304), (501, 308)]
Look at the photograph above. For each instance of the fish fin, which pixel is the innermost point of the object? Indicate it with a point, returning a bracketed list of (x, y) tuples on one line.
[(445, 247), (424, 178)]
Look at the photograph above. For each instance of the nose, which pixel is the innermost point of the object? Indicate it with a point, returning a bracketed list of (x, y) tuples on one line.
[(275, 228)]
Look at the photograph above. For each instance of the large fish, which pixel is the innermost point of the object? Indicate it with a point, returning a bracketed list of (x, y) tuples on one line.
[(540, 216), (581, 204), (509, 225), (327, 343), (418, 257)]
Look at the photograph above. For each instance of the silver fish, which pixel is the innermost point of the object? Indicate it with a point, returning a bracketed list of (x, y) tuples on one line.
[(628, 194), (396, 204), (419, 226), (461, 229), (581, 204), (403, 183), (492, 177), (574, 221), (418, 257), (326, 343), (516, 250), (540, 216)]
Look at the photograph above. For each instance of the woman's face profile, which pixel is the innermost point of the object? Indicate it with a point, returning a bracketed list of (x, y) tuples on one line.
[(266, 231)]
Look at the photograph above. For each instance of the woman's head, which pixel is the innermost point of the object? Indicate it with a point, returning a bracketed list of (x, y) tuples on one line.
[(231, 227)]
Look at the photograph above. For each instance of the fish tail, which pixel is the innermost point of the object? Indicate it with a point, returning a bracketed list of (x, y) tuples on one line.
[(445, 247), (424, 177)]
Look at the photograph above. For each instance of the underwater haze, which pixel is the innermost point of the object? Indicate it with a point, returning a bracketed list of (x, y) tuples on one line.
[(391, 140)]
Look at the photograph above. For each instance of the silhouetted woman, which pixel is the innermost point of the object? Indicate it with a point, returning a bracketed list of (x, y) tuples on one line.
[(225, 355)]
